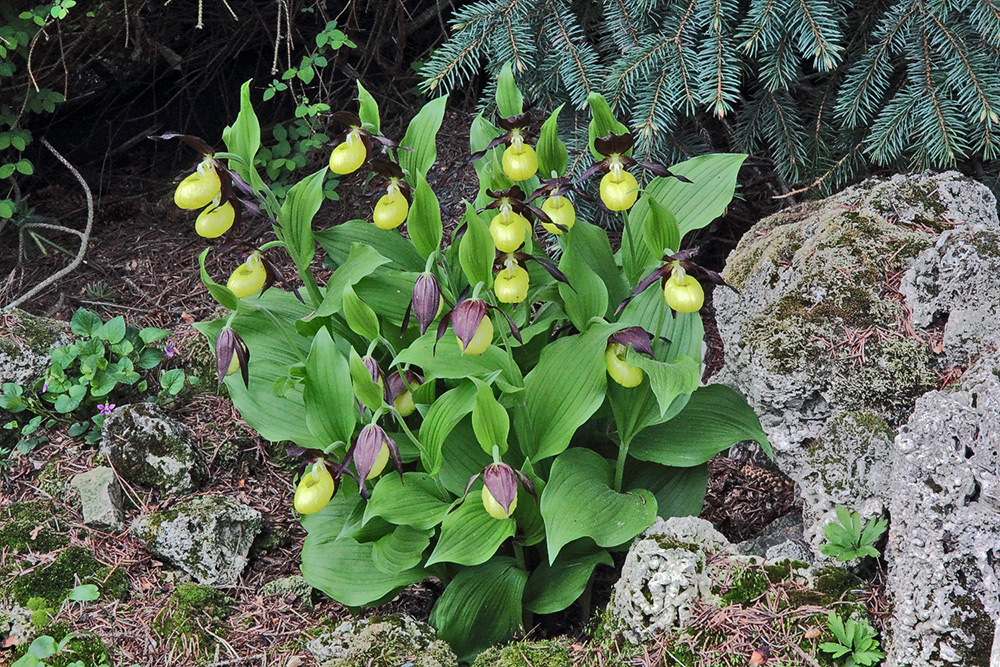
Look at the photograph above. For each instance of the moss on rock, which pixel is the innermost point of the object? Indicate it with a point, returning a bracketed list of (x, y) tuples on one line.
[(382, 641), (53, 582), (550, 653), (191, 609), (36, 527)]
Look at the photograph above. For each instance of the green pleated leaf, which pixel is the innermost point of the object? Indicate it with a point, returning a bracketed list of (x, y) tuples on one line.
[(554, 587), (338, 242), (530, 525), (365, 389), (388, 293), (368, 111), (470, 536), (275, 418), (552, 153), (400, 550), (509, 99), (222, 294), (603, 122), (342, 567), (415, 500), (243, 137), (660, 229), (443, 415), (421, 136), (586, 296), (678, 491), (360, 317), (444, 359), (591, 242), (693, 205), (463, 458), (714, 419), (563, 391), (476, 252), (480, 607), (684, 330), (424, 221), (301, 204), (362, 261), (668, 379), (327, 394), (489, 419), (579, 502)]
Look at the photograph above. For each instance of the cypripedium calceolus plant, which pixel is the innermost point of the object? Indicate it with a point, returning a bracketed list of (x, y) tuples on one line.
[(681, 291), (498, 353)]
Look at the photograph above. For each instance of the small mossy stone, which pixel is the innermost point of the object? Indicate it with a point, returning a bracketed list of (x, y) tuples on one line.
[(295, 588), (53, 582), (526, 654), (784, 570), (382, 641), (837, 582), (36, 527), (191, 609), (748, 585)]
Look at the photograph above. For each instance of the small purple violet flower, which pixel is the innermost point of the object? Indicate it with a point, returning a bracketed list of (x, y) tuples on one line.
[(170, 350), (105, 409), (45, 386)]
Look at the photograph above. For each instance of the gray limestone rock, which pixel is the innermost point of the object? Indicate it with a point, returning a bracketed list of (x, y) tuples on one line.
[(382, 640), (781, 540), (15, 622), (665, 572), (208, 537), (944, 540), (101, 498), (148, 448), (295, 587), (819, 339)]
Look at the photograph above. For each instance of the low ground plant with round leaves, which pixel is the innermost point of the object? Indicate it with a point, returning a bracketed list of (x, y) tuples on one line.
[(500, 409)]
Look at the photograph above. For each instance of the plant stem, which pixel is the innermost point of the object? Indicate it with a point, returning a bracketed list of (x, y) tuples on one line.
[(620, 464)]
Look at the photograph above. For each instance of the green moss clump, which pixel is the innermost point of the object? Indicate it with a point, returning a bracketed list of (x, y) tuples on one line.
[(837, 582), (748, 585), (84, 647), (41, 612), (526, 654), (783, 570), (189, 604), (53, 582), (807, 598), (37, 518)]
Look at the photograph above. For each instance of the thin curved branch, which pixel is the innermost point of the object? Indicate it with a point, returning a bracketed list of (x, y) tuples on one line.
[(84, 238)]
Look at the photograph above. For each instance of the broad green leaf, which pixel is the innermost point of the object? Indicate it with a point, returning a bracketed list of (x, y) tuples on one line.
[(243, 137), (509, 99), (424, 221), (415, 500), (368, 111), (366, 389), (400, 550), (489, 419), (552, 153), (678, 491), (327, 392), (388, 293), (342, 567), (469, 535), (480, 607), (301, 204), (463, 458), (274, 347), (421, 137), (660, 229), (172, 381), (362, 261), (84, 593), (715, 418), (339, 240), (43, 647), (220, 293), (603, 122), (586, 296), (444, 359), (476, 251), (113, 330), (552, 588), (668, 379), (694, 205), (578, 501), (563, 391), (360, 317), (149, 335), (85, 323), (684, 330), (443, 415), (591, 242)]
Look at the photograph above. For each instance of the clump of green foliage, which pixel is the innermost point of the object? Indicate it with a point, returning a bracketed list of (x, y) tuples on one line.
[(856, 641), (847, 539), (828, 90)]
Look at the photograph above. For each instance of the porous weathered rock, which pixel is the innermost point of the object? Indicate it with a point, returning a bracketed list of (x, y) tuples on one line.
[(294, 587), (780, 540), (665, 572), (944, 540), (101, 498), (819, 339), (382, 640), (208, 537), (146, 447)]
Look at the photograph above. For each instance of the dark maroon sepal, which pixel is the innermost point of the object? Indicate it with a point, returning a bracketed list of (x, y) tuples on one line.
[(501, 480), (373, 369), (466, 317), (515, 122), (614, 144), (442, 328), (513, 327), (658, 169), (396, 385), (640, 339), (426, 300), (548, 265), (367, 448), (227, 344), (502, 139), (598, 167), (346, 119), (387, 169), (526, 482), (658, 274), (194, 142)]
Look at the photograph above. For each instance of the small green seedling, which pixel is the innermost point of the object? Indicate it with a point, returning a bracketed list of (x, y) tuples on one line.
[(855, 640), (847, 540)]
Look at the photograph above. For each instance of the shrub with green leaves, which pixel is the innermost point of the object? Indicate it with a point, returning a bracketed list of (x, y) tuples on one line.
[(847, 539), (828, 90), (538, 398), (104, 364)]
